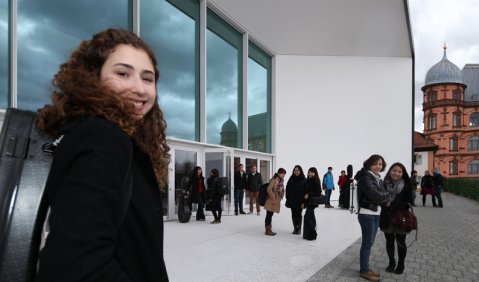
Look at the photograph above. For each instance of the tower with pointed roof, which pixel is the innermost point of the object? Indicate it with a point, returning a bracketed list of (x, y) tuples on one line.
[(229, 133), (451, 117)]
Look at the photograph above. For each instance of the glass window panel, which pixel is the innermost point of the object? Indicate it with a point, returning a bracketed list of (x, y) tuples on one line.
[(171, 28), (474, 120), (223, 96), (259, 114), (4, 58), (473, 143), (48, 31), (473, 167)]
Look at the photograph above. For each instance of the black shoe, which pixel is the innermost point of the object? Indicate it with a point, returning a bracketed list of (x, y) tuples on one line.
[(399, 269), (242, 212), (391, 267), (236, 213)]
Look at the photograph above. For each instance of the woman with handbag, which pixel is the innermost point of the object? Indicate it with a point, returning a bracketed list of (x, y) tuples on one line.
[(216, 193), (399, 186), (371, 195), (312, 194), (294, 197), (427, 188), (275, 193)]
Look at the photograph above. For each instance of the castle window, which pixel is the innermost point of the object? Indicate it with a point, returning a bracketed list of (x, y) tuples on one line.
[(473, 143), (453, 168), (456, 95), (456, 120), (453, 144), (474, 120), (473, 167), (432, 122), (433, 97)]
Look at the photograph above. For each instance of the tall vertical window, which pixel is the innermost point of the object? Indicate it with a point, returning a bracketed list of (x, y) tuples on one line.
[(456, 95), (453, 144), (474, 120), (473, 143), (48, 31), (259, 89), (432, 97), (432, 123), (171, 28), (224, 87), (453, 168), (456, 119), (473, 167), (4, 58)]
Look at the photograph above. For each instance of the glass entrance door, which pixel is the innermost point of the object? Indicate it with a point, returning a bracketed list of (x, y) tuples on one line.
[(220, 159)]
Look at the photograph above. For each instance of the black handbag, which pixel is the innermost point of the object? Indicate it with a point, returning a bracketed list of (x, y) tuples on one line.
[(317, 200)]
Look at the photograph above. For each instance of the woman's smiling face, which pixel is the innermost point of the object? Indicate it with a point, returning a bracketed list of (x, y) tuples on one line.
[(129, 72)]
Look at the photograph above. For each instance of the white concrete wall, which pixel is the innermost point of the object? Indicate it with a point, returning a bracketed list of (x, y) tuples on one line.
[(424, 165), (335, 111)]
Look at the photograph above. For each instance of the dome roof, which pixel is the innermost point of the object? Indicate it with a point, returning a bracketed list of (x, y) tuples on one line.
[(443, 72), (229, 126)]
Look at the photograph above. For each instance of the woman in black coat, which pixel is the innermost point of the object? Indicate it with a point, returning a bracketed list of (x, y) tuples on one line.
[(198, 190), (398, 184), (109, 166), (216, 193), (294, 197), (312, 189)]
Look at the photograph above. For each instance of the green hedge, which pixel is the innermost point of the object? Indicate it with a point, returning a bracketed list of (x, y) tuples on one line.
[(468, 188)]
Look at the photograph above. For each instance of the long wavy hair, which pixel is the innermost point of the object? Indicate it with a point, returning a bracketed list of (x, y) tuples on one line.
[(78, 92)]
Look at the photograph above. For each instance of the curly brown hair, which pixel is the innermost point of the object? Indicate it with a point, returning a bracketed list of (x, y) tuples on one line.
[(78, 92)]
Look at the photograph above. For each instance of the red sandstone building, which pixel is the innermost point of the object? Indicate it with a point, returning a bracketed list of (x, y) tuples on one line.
[(451, 117)]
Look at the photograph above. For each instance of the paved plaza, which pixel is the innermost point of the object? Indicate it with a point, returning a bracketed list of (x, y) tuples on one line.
[(237, 249)]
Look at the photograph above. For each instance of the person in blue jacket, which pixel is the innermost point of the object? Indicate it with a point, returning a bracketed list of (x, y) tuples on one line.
[(328, 186)]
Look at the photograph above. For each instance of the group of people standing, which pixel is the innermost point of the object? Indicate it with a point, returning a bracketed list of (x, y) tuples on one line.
[(432, 185), (378, 202)]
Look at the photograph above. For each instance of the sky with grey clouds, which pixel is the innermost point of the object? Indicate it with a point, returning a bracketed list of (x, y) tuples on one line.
[(435, 22)]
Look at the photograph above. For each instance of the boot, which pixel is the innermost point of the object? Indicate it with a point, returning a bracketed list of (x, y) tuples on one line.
[(300, 221), (391, 266), (295, 225), (269, 231), (400, 267)]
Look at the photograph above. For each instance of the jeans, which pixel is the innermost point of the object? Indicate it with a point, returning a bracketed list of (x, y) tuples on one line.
[(200, 214), (438, 195), (239, 194), (369, 228), (328, 196), (413, 192)]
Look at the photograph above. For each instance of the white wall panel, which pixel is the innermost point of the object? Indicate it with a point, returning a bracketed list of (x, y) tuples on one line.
[(335, 111)]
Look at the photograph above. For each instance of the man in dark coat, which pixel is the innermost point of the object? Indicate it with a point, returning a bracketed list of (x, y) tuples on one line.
[(254, 180), (240, 186)]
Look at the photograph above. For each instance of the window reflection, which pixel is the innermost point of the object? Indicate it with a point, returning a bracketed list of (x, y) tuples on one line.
[(172, 34), (47, 33), (259, 129), (223, 119), (4, 74)]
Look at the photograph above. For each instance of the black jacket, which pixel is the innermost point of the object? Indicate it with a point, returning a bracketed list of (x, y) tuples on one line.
[(254, 181), (240, 181), (195, 189), (295, 191), (313, 189), (401, 202), (371, 192), (89, 239)]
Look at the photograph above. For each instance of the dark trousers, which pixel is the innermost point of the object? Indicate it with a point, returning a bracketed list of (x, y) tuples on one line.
[(239, 194), (401, 243), (433, 200), (200, 214), (269, 218), (309, 226), (328, 196), (296, 212), (438, 190), (216, 210)]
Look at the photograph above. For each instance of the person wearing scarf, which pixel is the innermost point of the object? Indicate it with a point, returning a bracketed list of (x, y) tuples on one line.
[(398, 185), (275, 193)]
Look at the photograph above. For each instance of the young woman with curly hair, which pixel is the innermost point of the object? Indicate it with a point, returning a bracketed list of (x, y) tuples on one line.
[(106, 221)]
